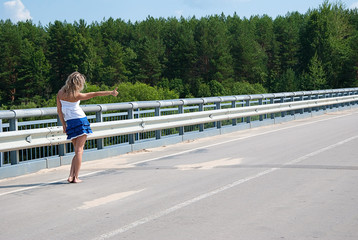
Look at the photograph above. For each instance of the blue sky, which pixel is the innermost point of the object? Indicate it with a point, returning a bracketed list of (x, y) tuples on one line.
[(46, 11)]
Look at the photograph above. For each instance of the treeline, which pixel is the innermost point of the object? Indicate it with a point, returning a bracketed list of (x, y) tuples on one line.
[(171, 58)]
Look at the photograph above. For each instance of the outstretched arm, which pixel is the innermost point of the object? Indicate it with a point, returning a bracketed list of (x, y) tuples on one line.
[(89, 95)]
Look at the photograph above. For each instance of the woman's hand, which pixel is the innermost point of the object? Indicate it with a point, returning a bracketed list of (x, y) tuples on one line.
[(64, 129), (114, 92)]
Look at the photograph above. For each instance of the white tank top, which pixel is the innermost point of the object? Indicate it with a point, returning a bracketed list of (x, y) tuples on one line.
[(72, 110)]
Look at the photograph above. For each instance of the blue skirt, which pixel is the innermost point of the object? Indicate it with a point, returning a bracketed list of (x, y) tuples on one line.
[(77, 127)]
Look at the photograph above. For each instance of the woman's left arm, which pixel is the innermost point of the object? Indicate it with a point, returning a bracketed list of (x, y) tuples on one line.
[(60, 114), (89, 95)]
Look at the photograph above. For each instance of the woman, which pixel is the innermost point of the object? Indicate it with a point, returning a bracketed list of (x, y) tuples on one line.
[(73, 119)]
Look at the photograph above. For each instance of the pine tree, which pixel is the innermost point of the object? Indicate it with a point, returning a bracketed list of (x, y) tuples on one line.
[(317, 73), (10, 49), (33, 72)]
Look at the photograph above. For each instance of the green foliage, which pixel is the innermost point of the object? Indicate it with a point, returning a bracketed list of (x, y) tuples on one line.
[(129, 92), (249, 58), (34, 71), (287, 82), (327, 34), (243, 88), (216, 88), (204, 90), (286, 61), (317, 74), (177, 58), (10, 51)]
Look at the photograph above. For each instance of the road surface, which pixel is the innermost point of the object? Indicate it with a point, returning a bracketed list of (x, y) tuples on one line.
[(295, 180)]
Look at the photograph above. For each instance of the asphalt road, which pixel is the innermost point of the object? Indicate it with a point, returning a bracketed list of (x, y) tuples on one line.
[(296, 180)]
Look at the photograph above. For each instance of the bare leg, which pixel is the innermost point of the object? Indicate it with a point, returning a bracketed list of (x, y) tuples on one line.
[(78, 144), (71, 176)]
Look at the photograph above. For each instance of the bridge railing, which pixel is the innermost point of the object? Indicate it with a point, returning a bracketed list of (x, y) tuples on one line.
[(31, 134)]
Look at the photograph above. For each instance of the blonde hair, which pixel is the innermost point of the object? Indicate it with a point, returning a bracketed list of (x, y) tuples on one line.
[(75, 83)]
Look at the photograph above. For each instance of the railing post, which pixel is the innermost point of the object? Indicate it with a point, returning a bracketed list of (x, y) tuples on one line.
[(248, 119), (344, 104), (350, 103), (100, 141), (201, 126), (272, 101), (336, 105), (353, 103), (158, 133), (261, 117), (61, 147), (136, 135), (341, 104), (282, 100), (309, 97), (14, 155), (317, 108), (324, 108), (218, 107), (233, 105), (131, 137), (293, 111), (1, 154), (180, 111), (301, 110)]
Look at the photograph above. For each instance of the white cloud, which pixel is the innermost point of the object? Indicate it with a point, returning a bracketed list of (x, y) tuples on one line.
[(179, 13), (17, 11), (354, 5)]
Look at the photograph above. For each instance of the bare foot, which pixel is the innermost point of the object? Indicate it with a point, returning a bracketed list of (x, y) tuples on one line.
[(70, 179), (76, 180)]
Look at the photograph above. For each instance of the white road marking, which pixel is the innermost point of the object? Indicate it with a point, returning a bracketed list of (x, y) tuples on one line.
[(105, 200), (236, 139), (210, 164), (179, 206), (182, 152), (321, 150), (45, 184), (214, 192)]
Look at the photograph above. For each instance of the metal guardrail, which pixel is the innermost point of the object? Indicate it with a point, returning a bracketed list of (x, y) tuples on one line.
[(159, 116), (17, 140)]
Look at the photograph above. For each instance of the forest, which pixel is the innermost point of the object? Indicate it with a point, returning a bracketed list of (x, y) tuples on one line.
[(180, 58)]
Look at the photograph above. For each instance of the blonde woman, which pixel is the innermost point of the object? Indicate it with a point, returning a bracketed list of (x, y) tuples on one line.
[(73, 119)]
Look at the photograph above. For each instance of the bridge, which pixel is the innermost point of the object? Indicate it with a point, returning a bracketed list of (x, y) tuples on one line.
[(290, 180)]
